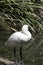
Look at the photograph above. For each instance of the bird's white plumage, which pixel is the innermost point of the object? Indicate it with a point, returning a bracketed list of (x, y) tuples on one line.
[(17, 38)]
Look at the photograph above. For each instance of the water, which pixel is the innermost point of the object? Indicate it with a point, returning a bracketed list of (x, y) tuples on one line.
[(32, 52)]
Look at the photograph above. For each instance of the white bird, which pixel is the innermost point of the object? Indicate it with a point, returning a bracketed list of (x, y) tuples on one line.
[(18, 39)]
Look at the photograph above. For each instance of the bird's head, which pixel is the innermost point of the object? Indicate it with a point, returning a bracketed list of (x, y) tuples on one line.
[(25, 28)]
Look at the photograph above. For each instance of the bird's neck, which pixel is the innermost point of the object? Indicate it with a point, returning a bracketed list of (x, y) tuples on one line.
[(26, 32)]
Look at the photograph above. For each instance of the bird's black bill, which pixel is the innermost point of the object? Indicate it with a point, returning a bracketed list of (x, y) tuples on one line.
[(30, 30)]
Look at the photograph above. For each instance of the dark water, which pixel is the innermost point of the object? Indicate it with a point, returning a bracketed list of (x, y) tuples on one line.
[(32, 51)]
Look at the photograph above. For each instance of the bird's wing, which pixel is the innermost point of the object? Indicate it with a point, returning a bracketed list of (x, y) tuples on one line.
[(18, 36), (21, 37)]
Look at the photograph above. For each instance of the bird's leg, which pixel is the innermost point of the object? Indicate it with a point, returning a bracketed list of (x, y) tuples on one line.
[(21, 53), (15, 53), (21, 62)]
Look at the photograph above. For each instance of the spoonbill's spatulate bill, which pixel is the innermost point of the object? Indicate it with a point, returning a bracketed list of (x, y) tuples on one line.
[(18, 39)]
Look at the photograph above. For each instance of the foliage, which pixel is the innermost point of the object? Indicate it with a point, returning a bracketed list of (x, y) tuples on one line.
[(15, 13)]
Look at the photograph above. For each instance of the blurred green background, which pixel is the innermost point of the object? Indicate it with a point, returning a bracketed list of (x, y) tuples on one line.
[(13, 15)]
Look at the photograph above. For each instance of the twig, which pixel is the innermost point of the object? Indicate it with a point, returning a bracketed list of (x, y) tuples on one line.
[(6, 61)]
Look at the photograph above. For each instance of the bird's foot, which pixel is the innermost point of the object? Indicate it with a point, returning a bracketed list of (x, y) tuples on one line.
[(16, 62), (21, 63)]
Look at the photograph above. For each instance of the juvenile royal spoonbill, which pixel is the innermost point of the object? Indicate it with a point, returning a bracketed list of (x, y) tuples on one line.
[(18, 39)]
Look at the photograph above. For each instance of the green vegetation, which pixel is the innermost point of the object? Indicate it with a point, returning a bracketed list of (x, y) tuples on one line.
[(14, 14)]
